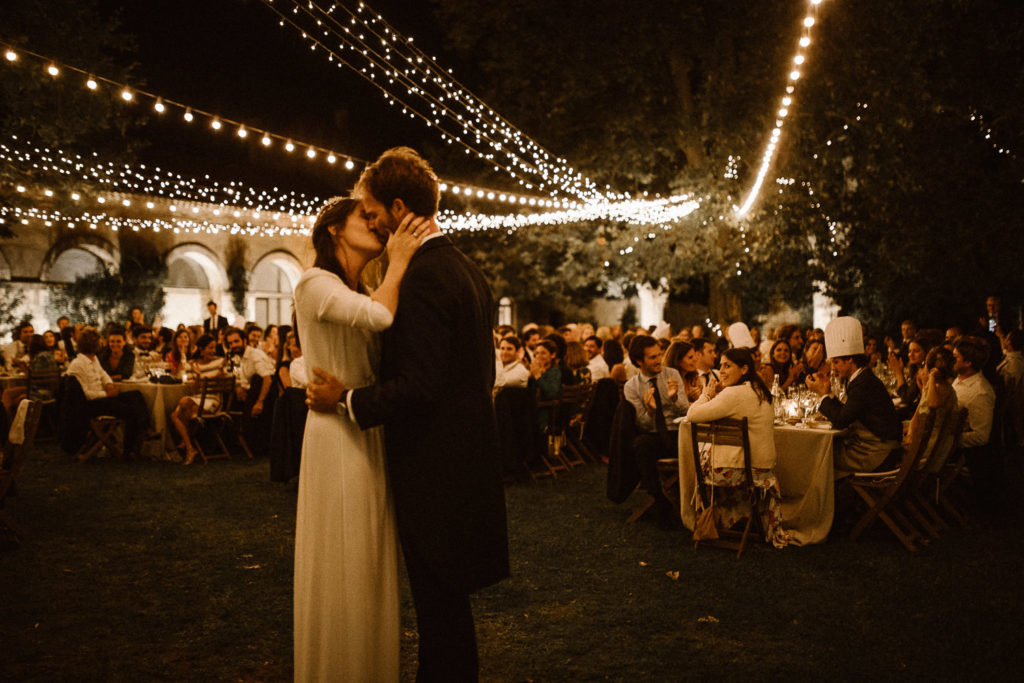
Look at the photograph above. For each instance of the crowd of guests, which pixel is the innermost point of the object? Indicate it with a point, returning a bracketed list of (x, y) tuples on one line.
[(264, 361), (663, 374), (877, 387)]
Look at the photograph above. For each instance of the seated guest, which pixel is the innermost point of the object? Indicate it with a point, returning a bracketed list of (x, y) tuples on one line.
[(909, 378), (545, 378), (290, 352), (162, 341), (575, 369), (782, 365), (627, 364), (509, 371), (41, 361), (1011, 369), (204, 363), (704, 353), (143, 349), (873, 351), (875, 430), (937, 396), (116, 360), (614, 357), (181, 351), (530, 337), (793, 336), (975, 393), (253, 335), (103, 398), (814, 359), (742, 394), (598, 366), (255, 372), (68, 341), (681, 357), (50, 341), (953, 335), (271, 342), (656, 395), (16, 353)]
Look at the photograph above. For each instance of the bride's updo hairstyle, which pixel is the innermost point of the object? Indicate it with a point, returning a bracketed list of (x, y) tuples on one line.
[(335, 212)]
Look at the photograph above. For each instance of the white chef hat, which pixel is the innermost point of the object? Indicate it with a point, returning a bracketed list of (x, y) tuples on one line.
[(843, 337), (739, 335)]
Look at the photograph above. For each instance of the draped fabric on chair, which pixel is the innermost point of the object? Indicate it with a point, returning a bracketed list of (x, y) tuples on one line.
[(15, 456), (597, 432)]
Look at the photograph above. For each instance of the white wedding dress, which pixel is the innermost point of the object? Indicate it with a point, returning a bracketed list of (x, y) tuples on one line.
[(346, 614)]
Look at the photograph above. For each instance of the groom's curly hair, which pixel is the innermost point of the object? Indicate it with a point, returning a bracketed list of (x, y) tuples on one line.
[(401, 173)]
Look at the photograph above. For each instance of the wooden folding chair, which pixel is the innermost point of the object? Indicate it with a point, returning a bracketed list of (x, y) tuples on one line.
[(884, 492), (925, 479), (948, 475), (14, 460), (105, 431), (215, 398), (725, 432), (567, 423), (45, 384)]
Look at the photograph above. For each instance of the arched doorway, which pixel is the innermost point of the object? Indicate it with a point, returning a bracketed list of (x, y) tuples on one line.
[(73, 258), (195, 275), (271, 288)]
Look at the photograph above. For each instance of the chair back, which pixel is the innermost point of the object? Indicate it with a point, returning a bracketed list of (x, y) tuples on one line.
[(912, 458), (17, 452), (724, 432), (72, 417), (948, 440), (43, 382), (572, 402), (220, 391)]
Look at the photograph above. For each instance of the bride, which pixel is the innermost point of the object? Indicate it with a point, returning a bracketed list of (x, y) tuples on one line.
[(346, 616)]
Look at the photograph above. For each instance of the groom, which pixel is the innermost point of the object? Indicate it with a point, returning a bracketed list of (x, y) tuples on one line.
[(433, 396)]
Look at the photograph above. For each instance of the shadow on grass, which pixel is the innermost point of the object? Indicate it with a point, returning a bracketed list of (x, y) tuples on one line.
[(154, 571)]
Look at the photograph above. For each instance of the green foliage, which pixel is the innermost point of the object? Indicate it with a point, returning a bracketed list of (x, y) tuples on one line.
[(238, 275), (108, 297), (8, 303)]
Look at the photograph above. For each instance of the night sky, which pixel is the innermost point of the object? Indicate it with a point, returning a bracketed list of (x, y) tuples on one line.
[(230, 57)]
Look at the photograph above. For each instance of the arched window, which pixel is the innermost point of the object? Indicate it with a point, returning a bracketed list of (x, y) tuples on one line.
[(271, 288), (186, 273), (74, 263), (504, 311)]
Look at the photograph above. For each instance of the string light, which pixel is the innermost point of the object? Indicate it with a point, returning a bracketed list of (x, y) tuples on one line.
[(426, 91), (787, 100), (160, 105)]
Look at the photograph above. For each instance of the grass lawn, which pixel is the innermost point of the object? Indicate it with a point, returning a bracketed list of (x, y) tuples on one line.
[(154, 571)]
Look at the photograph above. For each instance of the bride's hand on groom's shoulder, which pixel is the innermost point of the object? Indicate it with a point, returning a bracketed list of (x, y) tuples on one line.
[(324, 392), (408, 237)]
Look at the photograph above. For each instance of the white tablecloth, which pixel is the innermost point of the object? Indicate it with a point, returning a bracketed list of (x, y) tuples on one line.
[(161, 399), (804, 468)]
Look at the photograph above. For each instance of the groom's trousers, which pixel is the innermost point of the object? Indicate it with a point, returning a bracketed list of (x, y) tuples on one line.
[(447, 645)]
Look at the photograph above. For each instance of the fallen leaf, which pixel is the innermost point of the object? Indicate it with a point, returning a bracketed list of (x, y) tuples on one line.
[(708, 620), (672, 575), (642, 563)]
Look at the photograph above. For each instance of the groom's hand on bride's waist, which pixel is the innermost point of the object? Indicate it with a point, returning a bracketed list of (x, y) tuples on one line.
[(324, 392)]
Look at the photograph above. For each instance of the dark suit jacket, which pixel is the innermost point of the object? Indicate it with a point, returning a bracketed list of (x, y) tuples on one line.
[(433, 397), (868, 402), (222, 322)]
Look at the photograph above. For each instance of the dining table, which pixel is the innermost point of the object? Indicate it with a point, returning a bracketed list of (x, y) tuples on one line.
[(161, 399), (804, 468)]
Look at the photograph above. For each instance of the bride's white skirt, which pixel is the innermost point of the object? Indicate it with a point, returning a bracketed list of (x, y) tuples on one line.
[(346, 561)]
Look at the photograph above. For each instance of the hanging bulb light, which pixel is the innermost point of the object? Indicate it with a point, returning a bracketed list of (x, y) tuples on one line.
[(91, 83), (188, 115), (159, 106)]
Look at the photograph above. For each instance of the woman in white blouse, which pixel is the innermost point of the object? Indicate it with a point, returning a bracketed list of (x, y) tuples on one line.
[(741, 393)]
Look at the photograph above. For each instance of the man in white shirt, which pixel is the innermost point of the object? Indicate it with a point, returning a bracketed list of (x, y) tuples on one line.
[(705, 353), (654, 392), (975, 393), (509, 370), (102, 395), (254, 371), (598, 366), (16, 353)]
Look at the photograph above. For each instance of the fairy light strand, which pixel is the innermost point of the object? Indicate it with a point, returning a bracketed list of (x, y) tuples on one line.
[(785, 105)]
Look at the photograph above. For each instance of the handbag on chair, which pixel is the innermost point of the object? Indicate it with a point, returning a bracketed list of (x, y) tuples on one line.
[(705, 528)]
